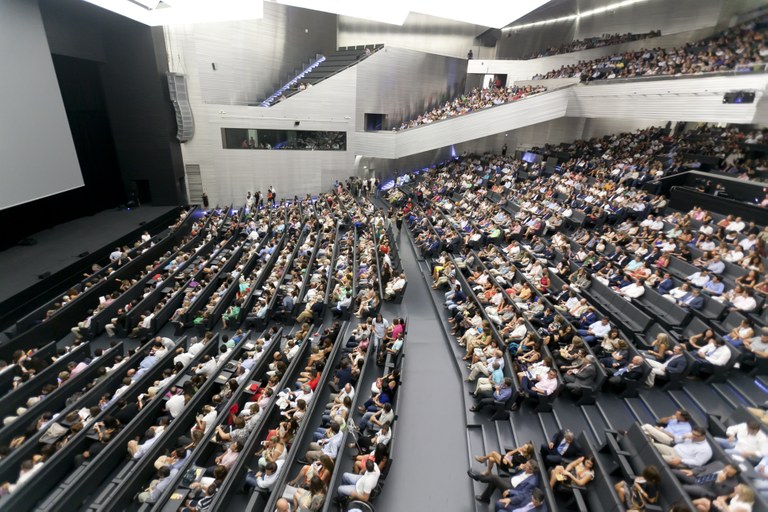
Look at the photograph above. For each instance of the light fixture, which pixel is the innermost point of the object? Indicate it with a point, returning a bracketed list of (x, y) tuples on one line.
[(591, 12), (170, 12)]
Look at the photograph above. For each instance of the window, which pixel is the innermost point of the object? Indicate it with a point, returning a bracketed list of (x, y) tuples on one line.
[(306, 140)]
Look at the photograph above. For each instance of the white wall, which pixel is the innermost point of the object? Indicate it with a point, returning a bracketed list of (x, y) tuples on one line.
[(36, 149), (227, 174), (419, 32), (405, 83), (252, 57)]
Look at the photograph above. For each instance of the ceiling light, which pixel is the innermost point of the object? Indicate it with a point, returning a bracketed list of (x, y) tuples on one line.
[(171, 12), (591, 12)]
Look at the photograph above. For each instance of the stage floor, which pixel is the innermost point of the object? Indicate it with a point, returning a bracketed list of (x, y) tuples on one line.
[(59, 246)]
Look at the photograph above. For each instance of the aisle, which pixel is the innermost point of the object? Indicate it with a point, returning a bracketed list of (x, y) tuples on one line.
[(430, 453)]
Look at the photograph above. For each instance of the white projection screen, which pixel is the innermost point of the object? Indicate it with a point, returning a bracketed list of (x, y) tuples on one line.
[(37, 155)]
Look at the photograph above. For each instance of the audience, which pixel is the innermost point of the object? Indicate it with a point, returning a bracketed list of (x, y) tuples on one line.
[(739, 48)]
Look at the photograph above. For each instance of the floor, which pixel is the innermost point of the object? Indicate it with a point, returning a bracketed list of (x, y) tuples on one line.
[(58, 247), (430, 457)]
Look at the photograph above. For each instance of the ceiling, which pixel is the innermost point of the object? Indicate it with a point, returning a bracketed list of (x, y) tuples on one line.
[(488, 13)]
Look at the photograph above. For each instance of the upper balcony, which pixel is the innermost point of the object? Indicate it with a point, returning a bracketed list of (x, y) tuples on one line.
[(687, 98)]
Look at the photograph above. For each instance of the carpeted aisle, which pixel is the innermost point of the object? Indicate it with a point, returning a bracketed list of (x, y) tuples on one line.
[(430, 450)]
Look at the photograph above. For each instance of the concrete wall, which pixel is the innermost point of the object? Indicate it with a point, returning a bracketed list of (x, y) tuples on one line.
[(253, 57)]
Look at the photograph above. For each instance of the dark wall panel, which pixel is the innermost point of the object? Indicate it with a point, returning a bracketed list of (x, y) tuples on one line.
[(131, 84)]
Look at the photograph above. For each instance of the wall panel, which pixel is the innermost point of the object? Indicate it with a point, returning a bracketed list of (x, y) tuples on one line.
[(252, 57), (405, 83), (419, 32)]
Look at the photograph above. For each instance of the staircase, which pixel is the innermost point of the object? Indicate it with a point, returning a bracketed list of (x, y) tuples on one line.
[(322, 68)]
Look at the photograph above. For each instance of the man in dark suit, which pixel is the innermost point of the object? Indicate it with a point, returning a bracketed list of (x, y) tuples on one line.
[(535, 504), (666, 284), (583, 376), (587, 318), (709, 481), (562, 447), (692, 300), (518, 488), (633, 372), (676, 364)]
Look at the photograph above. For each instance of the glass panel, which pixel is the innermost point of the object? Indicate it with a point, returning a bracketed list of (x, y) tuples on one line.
[(306, 140)]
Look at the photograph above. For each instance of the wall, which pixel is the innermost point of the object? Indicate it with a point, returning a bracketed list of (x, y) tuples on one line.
[(36, 148), (254, 57), (228, 174), (131, 63), (419, 32), (396, 82), (405, 83)]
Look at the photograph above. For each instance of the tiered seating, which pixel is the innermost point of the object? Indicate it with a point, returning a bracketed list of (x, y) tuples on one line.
[(474, 100), (92, 301), (532, 261), (594, 42), (734, 49), (118, 402)]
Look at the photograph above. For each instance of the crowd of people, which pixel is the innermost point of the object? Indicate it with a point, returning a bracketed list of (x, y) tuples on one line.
[(474, 100), (741, 48), (297, 253), (532, 268), (594, 42)]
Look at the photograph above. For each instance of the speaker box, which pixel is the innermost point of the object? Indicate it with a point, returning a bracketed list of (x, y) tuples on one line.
[(44, 275), (83, 254), (185, 122)]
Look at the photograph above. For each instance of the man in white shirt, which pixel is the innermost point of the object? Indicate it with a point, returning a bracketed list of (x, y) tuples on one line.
[(745, 441), (713, 354), (692, 453), (265, 481), (699, 279), (716, 266), (176, 404), (748, 243), (744, 302), (519, 332), (137, 450), (207, 367), (633, 290), (329, 446), (359, 487), (196, 347), (596, 331), (736, 226), (546, 385), (485, 368)]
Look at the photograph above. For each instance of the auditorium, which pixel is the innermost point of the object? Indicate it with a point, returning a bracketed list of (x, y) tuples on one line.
[(349, 256)]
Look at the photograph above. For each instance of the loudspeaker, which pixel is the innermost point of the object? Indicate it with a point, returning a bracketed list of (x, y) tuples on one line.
[(83, 254), (185, 123), (44, 275), (296, 123), (27, 241), (142, 223)]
